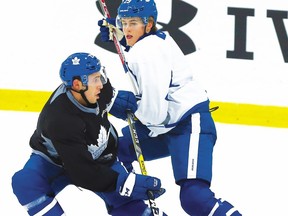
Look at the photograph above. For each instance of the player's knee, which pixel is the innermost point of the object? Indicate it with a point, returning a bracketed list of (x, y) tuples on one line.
[(19, 184), (27, 185), (34, 193), (194, 197)]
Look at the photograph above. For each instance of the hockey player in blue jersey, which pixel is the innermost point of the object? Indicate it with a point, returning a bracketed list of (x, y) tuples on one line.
[(74, 143), (173, 109)]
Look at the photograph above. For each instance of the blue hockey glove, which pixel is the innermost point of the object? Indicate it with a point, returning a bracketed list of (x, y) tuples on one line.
[(125, 100), (107, 26), (137, 186)]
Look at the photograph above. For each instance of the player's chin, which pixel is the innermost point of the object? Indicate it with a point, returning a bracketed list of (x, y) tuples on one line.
[(130, 42)]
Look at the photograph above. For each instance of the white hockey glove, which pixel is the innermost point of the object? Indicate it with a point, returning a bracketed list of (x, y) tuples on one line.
[(107, 27)]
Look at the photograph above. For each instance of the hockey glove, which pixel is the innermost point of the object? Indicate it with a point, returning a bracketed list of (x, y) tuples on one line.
[(137, 186), (125, 100), (107, 26)]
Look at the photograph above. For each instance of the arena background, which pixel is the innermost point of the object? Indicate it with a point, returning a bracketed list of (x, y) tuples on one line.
[(239, 50), (233, 45)]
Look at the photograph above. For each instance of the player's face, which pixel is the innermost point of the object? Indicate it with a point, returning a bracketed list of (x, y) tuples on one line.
[(133, 29), (94, 87)]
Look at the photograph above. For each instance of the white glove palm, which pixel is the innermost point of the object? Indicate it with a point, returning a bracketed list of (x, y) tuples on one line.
[(113, 29)]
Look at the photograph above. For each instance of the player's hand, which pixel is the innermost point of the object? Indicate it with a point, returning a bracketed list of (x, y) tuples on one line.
[(107, 28), (125, 100), (137, 186)]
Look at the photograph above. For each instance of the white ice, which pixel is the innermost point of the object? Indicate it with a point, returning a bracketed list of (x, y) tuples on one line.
[(249, 170)]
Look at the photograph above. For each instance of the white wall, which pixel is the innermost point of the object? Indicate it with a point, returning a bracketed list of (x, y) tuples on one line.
[(36, 36), (263, 80)]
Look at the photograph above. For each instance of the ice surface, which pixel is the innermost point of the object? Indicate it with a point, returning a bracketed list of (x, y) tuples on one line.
[(249, 170)]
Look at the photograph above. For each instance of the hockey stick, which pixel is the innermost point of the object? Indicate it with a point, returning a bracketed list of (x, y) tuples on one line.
[(117, 44), (130, 115), (131, 122)]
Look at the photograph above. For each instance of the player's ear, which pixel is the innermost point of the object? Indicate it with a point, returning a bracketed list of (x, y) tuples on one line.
[(149, 25), (77, 84)]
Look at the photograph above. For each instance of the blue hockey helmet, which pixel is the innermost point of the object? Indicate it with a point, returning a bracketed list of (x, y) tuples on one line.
[(138, 8), (79, 64)]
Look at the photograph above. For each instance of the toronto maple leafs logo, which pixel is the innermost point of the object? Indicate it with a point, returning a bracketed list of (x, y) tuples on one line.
[(76, 61), (97, 149), (182, 14)]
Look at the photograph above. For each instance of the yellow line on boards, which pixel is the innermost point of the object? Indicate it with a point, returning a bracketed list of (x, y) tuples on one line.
[(251, 114), (231, 113), (23, 100)]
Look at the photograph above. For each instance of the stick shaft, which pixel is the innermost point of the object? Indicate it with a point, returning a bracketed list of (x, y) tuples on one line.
[(136, 143), (117, 44)]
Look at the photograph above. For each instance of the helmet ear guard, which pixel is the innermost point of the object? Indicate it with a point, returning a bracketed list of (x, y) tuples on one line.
[(79, 65)]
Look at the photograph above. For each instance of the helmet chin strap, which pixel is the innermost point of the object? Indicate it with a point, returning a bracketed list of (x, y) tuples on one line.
[(81, 92)]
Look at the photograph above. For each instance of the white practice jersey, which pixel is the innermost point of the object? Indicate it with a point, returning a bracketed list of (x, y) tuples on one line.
[(164, 82)]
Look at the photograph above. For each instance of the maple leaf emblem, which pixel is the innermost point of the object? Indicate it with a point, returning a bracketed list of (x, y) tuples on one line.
[(97, 149), (103, 136), (75, 61)]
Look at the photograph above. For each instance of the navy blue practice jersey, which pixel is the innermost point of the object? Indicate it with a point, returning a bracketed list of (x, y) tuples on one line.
[(79, 138)]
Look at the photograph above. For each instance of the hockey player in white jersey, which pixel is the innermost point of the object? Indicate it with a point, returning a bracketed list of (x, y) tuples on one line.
[(173, 109)]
